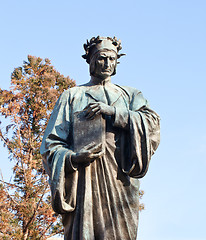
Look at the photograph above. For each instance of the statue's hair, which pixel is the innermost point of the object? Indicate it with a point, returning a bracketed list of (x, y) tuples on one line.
[(89, 46)]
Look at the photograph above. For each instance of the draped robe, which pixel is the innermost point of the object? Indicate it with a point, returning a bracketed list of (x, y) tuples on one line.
[(100, 201)]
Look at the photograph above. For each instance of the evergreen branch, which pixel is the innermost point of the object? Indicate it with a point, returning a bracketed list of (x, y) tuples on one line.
[(7, 144), (37, 206), (46, 231), (5, 234), (22, 164), (52, 234), (11, 184), (35, 210), (8, 194)]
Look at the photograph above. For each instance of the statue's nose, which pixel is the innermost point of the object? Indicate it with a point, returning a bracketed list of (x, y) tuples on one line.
[(106, 63)]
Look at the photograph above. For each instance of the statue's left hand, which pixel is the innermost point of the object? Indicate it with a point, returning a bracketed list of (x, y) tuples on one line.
[(96, 108)]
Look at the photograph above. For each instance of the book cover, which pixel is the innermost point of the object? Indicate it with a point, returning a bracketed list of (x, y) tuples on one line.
[(86, 131)]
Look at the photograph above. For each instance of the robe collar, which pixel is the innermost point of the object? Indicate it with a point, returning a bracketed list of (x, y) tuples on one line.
[(108, 93)]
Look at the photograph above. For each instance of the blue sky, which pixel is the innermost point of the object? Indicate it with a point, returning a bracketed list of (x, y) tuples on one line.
[(165, 43)]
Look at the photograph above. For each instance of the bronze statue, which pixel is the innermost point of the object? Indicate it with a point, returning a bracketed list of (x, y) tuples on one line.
[(99, 141)]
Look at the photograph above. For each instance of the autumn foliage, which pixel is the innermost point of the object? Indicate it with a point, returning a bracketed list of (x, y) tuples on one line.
[(25, 208)]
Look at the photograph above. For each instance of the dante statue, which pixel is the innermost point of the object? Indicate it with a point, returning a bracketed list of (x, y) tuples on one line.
[(95, 186)]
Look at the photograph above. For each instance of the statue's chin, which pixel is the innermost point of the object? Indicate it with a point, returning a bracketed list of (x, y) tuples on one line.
[(102, 75)]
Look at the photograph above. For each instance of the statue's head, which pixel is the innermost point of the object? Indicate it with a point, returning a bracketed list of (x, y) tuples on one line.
[(102, 54)]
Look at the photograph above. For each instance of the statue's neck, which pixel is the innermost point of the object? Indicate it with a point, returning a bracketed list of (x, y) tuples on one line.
[(99, 81)]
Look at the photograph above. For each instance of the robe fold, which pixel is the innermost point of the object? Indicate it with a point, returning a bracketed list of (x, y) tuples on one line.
[(100, 201)]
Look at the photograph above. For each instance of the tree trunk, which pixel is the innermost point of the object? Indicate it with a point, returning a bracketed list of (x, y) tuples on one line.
[(25, 234)]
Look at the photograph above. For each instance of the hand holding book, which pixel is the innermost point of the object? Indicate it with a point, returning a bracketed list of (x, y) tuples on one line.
[(87, 154)]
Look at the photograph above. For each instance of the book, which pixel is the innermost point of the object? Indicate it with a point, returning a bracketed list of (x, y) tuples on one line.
[(87, 131)]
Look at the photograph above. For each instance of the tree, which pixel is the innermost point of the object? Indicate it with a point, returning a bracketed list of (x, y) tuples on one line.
[(25, 208)]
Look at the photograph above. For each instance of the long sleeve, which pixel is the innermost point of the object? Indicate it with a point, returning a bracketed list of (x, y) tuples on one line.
[(142, 134), (56, 155)]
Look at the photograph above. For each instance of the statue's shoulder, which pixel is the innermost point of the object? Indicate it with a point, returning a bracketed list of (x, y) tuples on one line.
[(72, 91), (135, 96), (130, 91)]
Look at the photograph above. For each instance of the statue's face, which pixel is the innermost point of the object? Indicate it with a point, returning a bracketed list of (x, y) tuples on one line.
[(105, 64)]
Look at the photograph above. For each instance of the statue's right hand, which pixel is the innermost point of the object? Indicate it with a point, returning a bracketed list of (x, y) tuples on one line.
[(87, 155)]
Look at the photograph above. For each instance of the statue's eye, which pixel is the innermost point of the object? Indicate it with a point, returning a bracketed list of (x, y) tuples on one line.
[(100, 58)]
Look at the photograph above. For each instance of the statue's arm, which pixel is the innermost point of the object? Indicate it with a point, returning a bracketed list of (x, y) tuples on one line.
[(135, 102), (143, 128), (56, 151), (55, 143), (137, 107)]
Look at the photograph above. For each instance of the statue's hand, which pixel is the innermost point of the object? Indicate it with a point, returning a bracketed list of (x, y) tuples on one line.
[(96, 108), (87, 155)]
